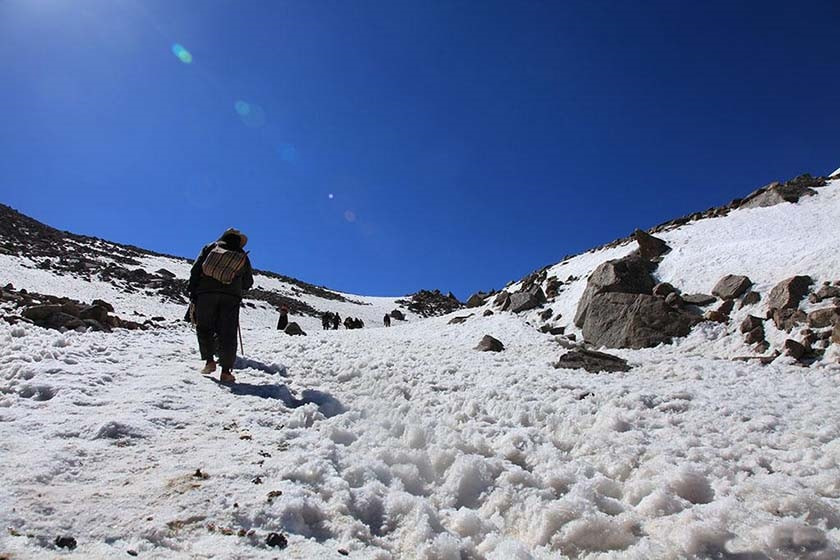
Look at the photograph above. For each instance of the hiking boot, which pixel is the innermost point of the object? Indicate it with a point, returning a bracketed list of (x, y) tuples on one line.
[(227, 377), (209, 367)]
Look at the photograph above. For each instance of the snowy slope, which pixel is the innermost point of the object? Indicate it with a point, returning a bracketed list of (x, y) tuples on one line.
[(407, 443)]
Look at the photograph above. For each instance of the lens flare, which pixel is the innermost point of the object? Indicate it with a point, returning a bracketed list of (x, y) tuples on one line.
[(250, 114), (331, 196), (242, 108), (350, 216), (182, 53)]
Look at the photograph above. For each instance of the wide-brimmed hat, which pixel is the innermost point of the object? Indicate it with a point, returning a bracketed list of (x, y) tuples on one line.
[(243, 239)]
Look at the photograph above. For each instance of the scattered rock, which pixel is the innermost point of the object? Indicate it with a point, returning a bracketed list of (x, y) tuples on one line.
[(487, 313), (40, 312), (835, 334), (620, 320), (502, 300), (525, 300), (95, 312), (788, 293), (276, 540), (490, 344), (826, 292), (165, 273), (459, 320), (786, 319), (294, 329), (65, 542), (630, 275), (731, 286), (476, 300), (663, 289), (701, 300), (591, 361), (777, 193), (751, 322), (826, 317), (726, 307), (755, 335), (546, 314), (650, 248), (674, 300), (716, 316), (794, 349), (750, 298), (431, 303)]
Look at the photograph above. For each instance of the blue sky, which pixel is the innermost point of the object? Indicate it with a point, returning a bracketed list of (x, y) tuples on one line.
[(384, 147)]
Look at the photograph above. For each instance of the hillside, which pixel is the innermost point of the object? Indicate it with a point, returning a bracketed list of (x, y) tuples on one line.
[(407, 442)]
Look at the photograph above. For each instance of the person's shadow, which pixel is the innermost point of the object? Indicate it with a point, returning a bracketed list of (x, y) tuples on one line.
[(327, 404)]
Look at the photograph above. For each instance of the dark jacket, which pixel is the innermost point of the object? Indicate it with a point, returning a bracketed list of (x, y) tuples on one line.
[(201, 284)]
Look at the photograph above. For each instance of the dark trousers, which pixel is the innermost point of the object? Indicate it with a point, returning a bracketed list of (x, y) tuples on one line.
[(217, 320)]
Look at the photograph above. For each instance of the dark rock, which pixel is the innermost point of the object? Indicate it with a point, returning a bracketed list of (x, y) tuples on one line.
[(41, 312), (824, 317), (755, 335), (95, 312), (62, 320), (96, 325), (751, 322), (750, 298), (826, 292), (431, 303), (786, 319), (777, 193), (716, 316), (165, 273), (663, 289), (546, 314), (294, 329), (591, 361), (788, 293), (762, 347), (630, 275), (674, 300), (476, 300), (698, 299), (502, 300), (572, 337), (556, 330), (490, 344), (459, 320), (276, 540), (835, 335), (525, 300), (73, 308), (726, 307), (620, 320), (65, 542), (487, 312), (552, 287), (398, 315), (794, 349), (731, 286), (650, 248)]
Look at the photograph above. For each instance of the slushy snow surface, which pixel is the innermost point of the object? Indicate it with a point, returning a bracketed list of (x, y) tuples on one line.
[(407, 443)]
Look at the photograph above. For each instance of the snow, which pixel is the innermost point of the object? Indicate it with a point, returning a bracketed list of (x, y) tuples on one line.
[(407, 443)]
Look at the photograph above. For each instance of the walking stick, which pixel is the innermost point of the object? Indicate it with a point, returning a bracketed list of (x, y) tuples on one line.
[(241, 346)]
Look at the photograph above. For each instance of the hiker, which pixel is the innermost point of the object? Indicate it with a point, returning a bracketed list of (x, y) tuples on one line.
[(336, 321), (219, 276), (348, 323), (283, 321), (387, 320), (326, 320)]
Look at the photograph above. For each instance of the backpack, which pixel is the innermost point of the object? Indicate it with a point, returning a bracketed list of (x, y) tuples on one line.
[(223, 265)]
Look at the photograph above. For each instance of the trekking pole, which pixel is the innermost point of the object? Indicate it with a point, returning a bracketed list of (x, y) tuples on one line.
[(241, 346)]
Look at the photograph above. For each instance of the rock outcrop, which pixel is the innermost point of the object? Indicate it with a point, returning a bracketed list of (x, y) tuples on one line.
[(591, 361)]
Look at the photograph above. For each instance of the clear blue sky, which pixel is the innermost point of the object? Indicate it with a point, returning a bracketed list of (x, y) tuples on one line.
[(383, 147)]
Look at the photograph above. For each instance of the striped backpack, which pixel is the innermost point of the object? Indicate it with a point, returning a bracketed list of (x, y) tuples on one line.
[(223, 265)]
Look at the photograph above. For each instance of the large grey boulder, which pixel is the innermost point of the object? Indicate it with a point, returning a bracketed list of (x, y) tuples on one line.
[(41, 312), (526, 299), (490, 344), (650, 248), (731, 286), (788, 293), (630, 275), (626, 320), (591, 361)]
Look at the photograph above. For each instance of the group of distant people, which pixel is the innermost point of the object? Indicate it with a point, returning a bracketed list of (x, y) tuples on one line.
[(219, 276)]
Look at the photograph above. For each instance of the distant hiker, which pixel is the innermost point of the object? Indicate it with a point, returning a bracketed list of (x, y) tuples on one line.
[(326, 320), (336, 321), (283, 321), (348, 323), (219, 276), (387, 320)]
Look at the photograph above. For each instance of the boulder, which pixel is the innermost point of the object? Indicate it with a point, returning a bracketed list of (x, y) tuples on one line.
[(591, 361), (663, 289), (487, 312), (546, 314), (824, 317), (165, 273), (786, 319), (620, 320), (731, 286), (94, 312), (102, 303), (788, 293), (726, 307), (95, 325), (750, 298), (826, 292), (650, 248), (629, 275), (476, 300), (777, 193), (61, 320), (525, 300), (552, 287), (674, 300), (700, 300), (294, 329), (794, 349), (502, 300), (751, 322), (755, 335), (716, 316), (398, 315), (459, 320), (490, 344), (40, 312)]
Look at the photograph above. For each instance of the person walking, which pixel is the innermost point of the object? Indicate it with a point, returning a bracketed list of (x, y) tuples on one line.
[(387, 320), (219, 276), (336, 321), (283, 321)]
